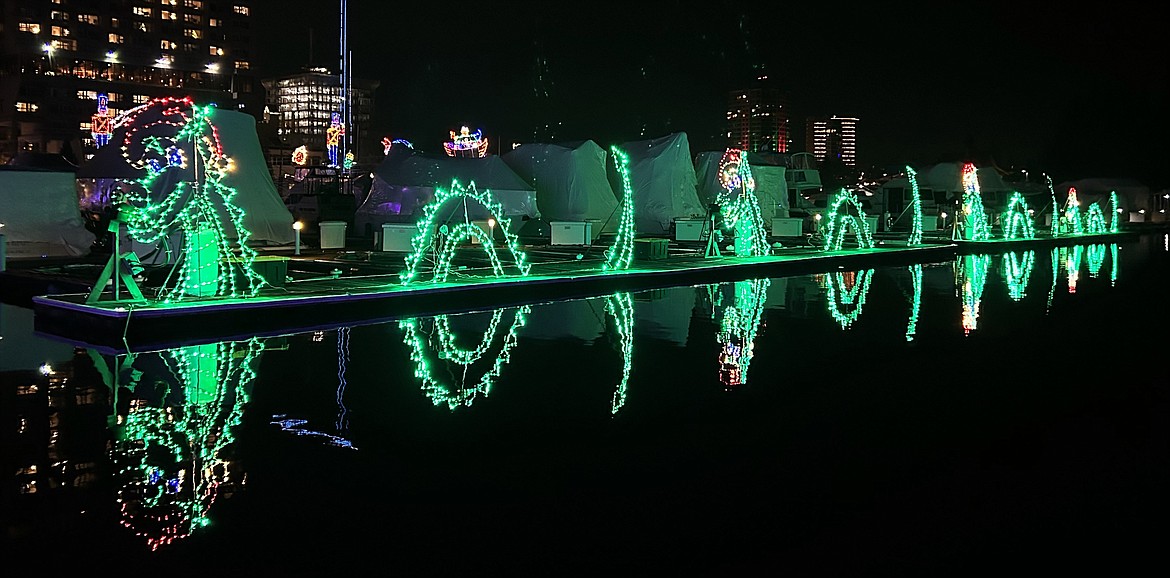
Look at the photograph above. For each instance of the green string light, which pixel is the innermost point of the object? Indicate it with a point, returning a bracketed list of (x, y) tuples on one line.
[(1114, 212), (1071, 257), (1055, 254), (1017, 220), (739, 207), (915, 209), (1055, 216), (915, 302), (846, 295), (1072, 213), (976, 227), (1115, 263), (621, 307), (424, 238), (193, 207), (1095, 220), (738, 329), (839, 220), (455, 396), (1095, 257), (619, 255), (1017, 271), (972, 277)]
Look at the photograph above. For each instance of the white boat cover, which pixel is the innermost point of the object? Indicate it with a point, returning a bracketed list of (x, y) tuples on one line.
[(662, 176), (771, 187), (40, 214), (570, 181)]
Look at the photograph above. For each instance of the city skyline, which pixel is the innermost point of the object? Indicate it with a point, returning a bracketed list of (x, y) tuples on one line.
[(1059, 91)]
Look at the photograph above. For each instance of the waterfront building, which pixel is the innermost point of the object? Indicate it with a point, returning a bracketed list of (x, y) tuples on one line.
[(60, 56), (832, 139), (757, 118)]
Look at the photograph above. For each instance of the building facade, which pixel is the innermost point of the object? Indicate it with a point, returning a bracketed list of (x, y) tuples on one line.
[(832, 139), (757, 119), (298, 111), (58, 56)]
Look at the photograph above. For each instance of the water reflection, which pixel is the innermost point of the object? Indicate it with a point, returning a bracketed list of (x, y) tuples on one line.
[(620, 307), (970, 276), (460, 364), (739, 316), (915, 301), (847, 293), (1017, 271), (174, 432)]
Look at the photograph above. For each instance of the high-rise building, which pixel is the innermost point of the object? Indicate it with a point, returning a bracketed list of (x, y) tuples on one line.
[(301, 108), (833, 139), (58, 56), (757, 118)]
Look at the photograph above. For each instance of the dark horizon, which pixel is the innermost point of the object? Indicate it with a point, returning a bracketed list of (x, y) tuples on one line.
[(1073, 95)]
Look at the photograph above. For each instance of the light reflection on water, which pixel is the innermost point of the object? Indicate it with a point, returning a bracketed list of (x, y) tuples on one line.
[(174, 416)]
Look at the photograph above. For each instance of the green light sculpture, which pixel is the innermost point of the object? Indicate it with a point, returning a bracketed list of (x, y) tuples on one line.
[(1017, 271), (739, 206), (1017, 220), (915, 209), (972, 275), (442, 339), (975, 226), (1055, 216), (621, 307), (1095, 220), (215, 257), (738, 330), (619, 255), (1095, 257), (846, 295), (915, 301), (424, 239), (1114, 212), (1072, 213), (839, 220), (174, 459)]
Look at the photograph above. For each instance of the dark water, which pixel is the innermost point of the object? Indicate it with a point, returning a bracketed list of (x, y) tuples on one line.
[(814, 423)]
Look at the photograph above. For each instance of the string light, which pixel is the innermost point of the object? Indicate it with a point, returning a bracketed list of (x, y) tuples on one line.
[(1017, 271), (619, 255), (738, 329), (101, 124), (972, 277), (916, 301), (1072, 212), (1072, 265), (621, 307), (839, 220), (739, 206), (195, 207), (1116, 265), (440, 393), (846, 295), (976, 227), (466, 143), (1095, 220), (300, 155), (424, 238), (1056, 218), (1115, 212), (915, 209), (1017, 221), (1055, 277), (333, 136)]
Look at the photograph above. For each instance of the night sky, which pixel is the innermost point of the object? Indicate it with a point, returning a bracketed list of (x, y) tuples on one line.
[(1052, 89)]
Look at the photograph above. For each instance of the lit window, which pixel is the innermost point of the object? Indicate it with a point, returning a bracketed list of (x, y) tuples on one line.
[(63, 44), (25, 107), (140, 99), (114, 97), (59, 31), (192, 18), (215, 50), (113, 22), (168, 15), (196, 4), (85, 125), (192, 33), (87, 18), (241, 10), (142, 11), (116, 39), (243, 64), (32, 27), (57, 15), (143, 26), (87, 94), (214, 21)]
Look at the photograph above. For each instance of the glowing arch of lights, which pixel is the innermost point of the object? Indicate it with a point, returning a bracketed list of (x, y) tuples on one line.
[(424, 238), (194, 207), (972, 277), (1095, 258), (621, 252), (173, 459), (621, 307), (738, 330), (433, 387), (1017, 220), (839, 220), (976, 227), (846, 295), (915, 209), (739, 206), (1017, 272), (1095, 220)]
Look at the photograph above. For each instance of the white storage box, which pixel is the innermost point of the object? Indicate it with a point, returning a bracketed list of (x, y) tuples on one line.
[(786, 227), (571, 232), (688, 229), (397, 236), (333, 234)]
